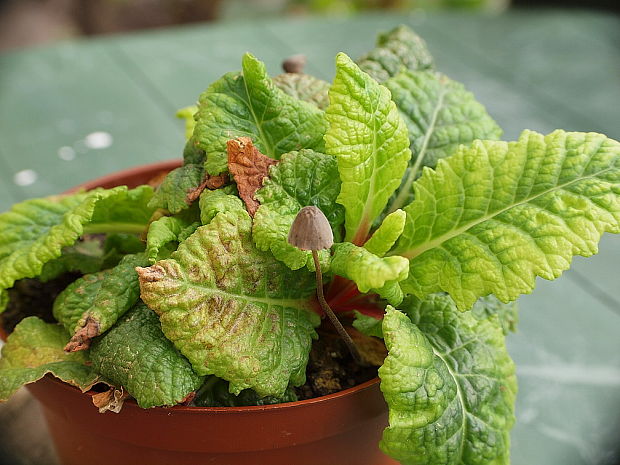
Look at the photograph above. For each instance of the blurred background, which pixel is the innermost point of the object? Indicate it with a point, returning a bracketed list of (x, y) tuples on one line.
[(540, 64), (30, 22)]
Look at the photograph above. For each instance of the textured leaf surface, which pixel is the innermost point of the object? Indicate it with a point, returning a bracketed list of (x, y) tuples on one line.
[(34, 349), (369, 139), (440, 115), (118, 245), (99, 299), (507, 314), (398, 49), (386, 235), (166, 230), (83, 257), (135, 354), (232, 310), (250, 105), (35, 232), (368, 271), (214, 202), (92, 253), (173, 191), (301, 179), (495, 215), (304, 87), (449, 384), (192, 153), (368, 325)]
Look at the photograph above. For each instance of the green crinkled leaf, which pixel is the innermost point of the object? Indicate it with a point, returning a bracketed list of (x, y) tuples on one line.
[(369, 139), (495, 215), (384, 238), (232, 310), (4, 299), (116, 246), (250, 105), (34, 349), (92, 254), (449, 384), (165, 230), (187, 115), (172, 192), (124, 211), (369, 272), (368, 325), (35, 232), (440, 115), (215, 393), (304, 87), (135, 354), (398, 49), (100, 298), (507, 314), (192, 154), (84, 257), (217, 201), (300, 179)]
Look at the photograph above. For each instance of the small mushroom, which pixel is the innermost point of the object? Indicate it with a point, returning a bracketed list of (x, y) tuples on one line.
[(294, 64), (311, 231)]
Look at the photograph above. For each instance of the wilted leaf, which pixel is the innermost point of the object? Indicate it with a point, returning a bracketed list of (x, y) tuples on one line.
[(34, 349), (249, 167)]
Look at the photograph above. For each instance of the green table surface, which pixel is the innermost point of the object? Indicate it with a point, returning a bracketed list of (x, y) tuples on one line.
[(540, 70)]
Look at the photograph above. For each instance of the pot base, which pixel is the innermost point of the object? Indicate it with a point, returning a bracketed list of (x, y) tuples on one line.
[(341, 429)]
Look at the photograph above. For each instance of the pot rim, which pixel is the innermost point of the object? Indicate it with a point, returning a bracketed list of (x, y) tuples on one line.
[(131, 403), (168, 165), (112, 178)]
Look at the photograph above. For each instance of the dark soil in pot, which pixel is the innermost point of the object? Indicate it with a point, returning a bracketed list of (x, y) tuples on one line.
[(31, 297)]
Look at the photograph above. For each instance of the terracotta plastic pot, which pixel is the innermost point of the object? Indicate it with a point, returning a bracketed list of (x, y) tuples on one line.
[(339, 429)]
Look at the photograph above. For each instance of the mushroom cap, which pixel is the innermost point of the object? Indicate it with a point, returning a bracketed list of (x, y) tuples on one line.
[(311, 230), (294, 64)]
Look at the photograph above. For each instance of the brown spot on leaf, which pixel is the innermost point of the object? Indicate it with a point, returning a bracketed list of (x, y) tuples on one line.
[(82, 338), (111, 400), (209, 182), (249, 168), (151, 274)]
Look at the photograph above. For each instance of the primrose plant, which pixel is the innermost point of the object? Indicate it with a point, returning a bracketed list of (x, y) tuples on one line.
[(428, 226)]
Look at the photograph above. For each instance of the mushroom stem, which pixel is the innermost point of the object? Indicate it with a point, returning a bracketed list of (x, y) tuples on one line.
[(332, 316)]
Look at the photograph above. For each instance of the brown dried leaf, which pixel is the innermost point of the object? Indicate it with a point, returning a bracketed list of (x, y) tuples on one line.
[(111, 400), (82, 338), (209, 182), (249, 168)]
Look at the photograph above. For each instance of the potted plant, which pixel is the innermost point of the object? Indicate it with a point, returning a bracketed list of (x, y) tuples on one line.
[(385, 198)]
